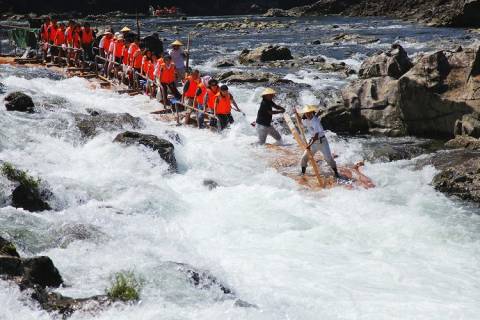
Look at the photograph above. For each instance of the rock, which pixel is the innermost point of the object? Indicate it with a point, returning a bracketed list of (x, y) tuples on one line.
[(394, 63), (356, 38), (428, 100), (2, 88), (462, 180), (250, 77), (164, 148), (316, 42), (224, 64), (30, 199), (29, 193), (89, 125), (19, 101), (10, 266), (339, 119), (279, 13), (173, 136), (469, 125), (464, 142), (265, 53), (7, 248), (41, 271), (210, 184)]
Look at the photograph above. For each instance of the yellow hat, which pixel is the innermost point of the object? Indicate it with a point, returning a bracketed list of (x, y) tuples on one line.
[(309, 108), (268, 91), (177, 43), (125, 29)]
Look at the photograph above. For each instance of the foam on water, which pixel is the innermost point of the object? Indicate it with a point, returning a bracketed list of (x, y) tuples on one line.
[(399, 251)]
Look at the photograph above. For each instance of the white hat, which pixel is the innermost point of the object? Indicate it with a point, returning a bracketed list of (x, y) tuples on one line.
[(268, 91), (309, 108)]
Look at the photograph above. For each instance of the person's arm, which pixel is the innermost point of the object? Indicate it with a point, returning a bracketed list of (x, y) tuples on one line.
[(315, 127), (236, 105), (185, 89), (205, 101), (279, 109), (217, 100)]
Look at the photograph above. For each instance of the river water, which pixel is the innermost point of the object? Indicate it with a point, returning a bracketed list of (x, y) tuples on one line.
[(399, 251)]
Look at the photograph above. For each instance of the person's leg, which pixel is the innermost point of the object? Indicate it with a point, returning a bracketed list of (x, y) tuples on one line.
[(223, 119), (200, 117), (327, 155), (305, 157), (230, 118), (274, 133), (188, 111), (262, 134), (164, 94), (174, 90)]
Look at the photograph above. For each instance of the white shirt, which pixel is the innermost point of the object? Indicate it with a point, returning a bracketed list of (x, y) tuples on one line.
[(177, 58), (314, 126)]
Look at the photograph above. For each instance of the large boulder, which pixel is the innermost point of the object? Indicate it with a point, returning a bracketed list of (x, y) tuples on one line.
[(428, 100), (164, 147), (393, 63), (462, 180), (463, 142), (265, 53), (469, 125), (19, 101), (41, 271), (90, 125)]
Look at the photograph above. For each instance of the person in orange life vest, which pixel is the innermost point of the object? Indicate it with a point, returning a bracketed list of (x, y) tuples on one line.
[(115, 54), (209, 100), (167, 79), (59, 40), (125, 66), (69, 33), (87, 36), (148, 70), (44, 37), (52, 32), (223, 107), (135, 54), (189, 90), (198, 102), (104, 44)]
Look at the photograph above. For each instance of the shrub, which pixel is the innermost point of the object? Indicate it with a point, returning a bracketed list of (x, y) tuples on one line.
[(125, 286)]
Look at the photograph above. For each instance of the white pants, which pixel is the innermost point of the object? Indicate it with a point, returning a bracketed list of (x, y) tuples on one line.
[(264, 131), (322, 147)]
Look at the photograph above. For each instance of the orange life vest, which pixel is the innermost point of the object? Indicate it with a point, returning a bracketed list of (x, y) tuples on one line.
[(137, 61), (118, 48), (202, 94), (167, 74), (69, 33), (192, 87), (76, 40), (145, 65), (45, 28), (125, 55), (150, 70), (106, 43), (212, 95), (224, 105), (87, 37), (52, 31), (59, 37)]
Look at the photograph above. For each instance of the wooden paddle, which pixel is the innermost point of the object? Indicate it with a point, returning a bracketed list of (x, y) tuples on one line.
[(303, 145)]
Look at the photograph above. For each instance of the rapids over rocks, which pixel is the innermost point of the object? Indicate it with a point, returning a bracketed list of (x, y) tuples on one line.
[(225, 236)]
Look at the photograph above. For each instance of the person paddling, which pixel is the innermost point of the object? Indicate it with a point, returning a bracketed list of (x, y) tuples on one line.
[(318, 141), (223, 107), (178, 57), (264, 117)]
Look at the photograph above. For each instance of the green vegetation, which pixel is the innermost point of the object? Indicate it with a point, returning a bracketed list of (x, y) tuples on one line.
[(125, 286), (20, 176)]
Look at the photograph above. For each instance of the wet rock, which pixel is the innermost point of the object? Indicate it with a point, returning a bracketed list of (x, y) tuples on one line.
[(339, 119), (19, 101), (250, 77), (2, 88), (29, 193), (7, 248), (388, 152), (469, 125), (224, 64), (173, 136), (464, 142), (41, 271), (265, 53), (356, 38), (210, 184), (462, 181), (164, 148), (277, 13), (393, 63), (90, 125)]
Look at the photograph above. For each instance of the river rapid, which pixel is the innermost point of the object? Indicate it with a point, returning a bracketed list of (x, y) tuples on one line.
[(399, 251)]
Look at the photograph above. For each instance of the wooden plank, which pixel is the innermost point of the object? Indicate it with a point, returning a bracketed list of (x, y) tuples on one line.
[(303, 145)]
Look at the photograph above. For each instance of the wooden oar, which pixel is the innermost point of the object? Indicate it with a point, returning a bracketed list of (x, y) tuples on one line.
[(303, 145)]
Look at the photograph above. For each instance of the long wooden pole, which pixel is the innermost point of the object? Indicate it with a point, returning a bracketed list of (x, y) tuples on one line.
[(303, 144), (187, 64)]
